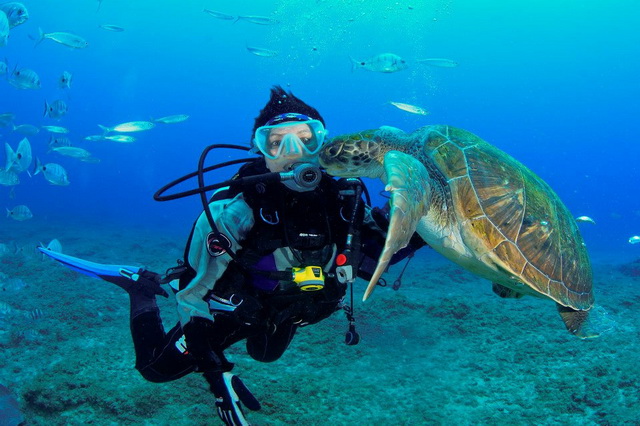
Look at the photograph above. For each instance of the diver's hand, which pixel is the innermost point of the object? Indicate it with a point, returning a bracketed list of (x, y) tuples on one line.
[(230, 392)]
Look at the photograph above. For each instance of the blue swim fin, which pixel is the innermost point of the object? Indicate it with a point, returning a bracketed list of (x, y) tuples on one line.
[(121, 275)]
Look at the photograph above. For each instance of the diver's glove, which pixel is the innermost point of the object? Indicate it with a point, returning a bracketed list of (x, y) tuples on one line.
[(198, 332), (230, 392)]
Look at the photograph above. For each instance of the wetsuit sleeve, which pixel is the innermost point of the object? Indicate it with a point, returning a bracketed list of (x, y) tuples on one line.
[(234, 219)]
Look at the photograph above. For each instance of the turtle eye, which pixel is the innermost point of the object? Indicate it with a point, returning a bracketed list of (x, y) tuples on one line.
[(333, 151)]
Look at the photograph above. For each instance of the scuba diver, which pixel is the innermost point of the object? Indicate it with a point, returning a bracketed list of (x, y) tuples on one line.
[(264, 258)]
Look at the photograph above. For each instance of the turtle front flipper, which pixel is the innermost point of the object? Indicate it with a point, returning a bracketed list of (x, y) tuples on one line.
[(409, 183)]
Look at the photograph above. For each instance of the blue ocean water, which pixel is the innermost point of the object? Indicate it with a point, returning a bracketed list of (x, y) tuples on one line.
[(552, 83)]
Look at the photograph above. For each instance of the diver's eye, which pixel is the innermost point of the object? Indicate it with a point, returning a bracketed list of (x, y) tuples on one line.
[(306, 141)]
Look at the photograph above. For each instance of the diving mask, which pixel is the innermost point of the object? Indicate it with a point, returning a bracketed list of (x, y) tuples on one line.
[(290, 134)]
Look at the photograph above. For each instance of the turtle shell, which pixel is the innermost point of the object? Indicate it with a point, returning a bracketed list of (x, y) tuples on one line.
[(509, 216)]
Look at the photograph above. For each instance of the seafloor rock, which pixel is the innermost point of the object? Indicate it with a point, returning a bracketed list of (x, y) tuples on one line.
[(631, 269)]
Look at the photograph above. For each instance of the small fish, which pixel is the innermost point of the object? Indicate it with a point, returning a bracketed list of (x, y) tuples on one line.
[(94, 138), (25, 79), (219, 15), (438, 62), (71, 40), (586, 219), (58, 141), (259, 51), (14, 285), (170, 119), (65, 80), (634, 240), (113, 28), (55, 246), (75, 152), (55, 129), (16, 13), (413, 109), (4, 29), (8, 178), (6, 118), (20, 160), (120, 138), (384, 62), (20, 213), (56, 109), (26, 129), (5, 310), (35, 314), (132, 126), (260, 20), (52, 172)]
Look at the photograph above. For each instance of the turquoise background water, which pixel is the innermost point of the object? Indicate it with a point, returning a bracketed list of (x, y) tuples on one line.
[(552, 83)]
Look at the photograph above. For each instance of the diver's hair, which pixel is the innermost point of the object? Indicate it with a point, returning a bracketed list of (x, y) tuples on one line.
[(282, 102)]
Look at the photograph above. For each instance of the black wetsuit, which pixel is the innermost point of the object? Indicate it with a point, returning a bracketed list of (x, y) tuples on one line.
[(270, 227)]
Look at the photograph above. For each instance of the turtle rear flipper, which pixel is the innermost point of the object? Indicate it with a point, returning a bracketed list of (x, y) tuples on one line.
[(506, 292), (586, 324)]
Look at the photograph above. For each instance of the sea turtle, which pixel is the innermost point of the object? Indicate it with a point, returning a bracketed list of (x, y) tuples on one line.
[(477, 206)]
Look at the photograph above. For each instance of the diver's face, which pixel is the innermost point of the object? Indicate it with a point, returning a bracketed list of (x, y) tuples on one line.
[(289, 140)]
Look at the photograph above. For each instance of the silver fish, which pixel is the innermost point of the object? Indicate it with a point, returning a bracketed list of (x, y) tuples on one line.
[(634, 240), (35, 314), (75, 152), (259, 51), (170, 119), (71, 40), (64, 82), (120, 138), (16, 13), (413, 109), (8, 177), (94, 138), (384, 62), (20, 213), (55, 129), (56, 109), (52, 172), (20, 160), (13, 284), (5, 309), (6, 118), (26, 129), (55, 246), (260, 20), (113, 28), (438, 62), (25, 79), (219, 15), (58, 141), (586, 219), (129, 127), (4, 29)]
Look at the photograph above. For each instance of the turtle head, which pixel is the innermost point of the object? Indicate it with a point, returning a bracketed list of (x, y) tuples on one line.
[(354, 155)]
